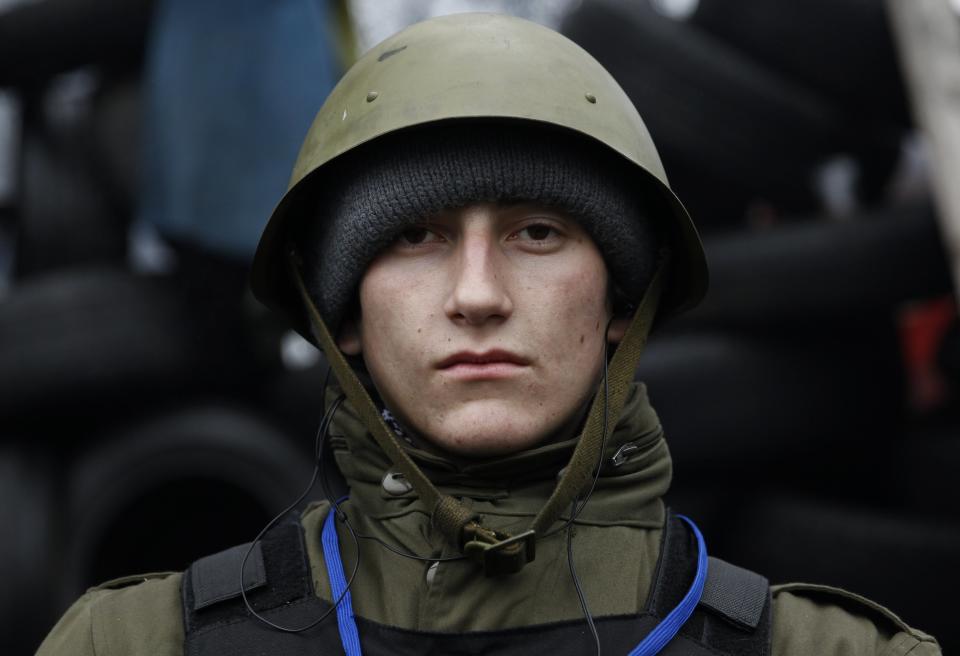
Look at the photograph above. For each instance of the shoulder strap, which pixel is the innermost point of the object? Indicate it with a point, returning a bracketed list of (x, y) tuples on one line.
[(279, 586), (733, 616)]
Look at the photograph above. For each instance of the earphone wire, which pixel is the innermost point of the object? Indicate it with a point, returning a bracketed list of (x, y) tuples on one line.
[(575, 511), (318, 446), (580, 595), (411, 556)]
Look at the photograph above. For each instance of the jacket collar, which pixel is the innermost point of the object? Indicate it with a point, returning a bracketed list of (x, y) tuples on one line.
[(635, 472)]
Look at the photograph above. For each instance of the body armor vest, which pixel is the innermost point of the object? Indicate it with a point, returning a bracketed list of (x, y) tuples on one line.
[(733, 616)]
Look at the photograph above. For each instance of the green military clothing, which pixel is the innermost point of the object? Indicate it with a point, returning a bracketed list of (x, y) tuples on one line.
[(616, 543), (133, 615)]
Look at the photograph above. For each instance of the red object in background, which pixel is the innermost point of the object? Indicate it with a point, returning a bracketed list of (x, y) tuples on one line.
[(923, 325)]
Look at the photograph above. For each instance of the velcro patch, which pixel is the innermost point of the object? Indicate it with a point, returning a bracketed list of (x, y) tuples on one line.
[(737, 594), (217, 578)]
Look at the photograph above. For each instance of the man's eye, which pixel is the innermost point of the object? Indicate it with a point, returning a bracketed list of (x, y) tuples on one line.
[(418, 235), (537, 232)]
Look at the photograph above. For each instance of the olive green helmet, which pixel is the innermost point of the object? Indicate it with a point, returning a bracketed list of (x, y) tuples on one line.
[(473, 66)]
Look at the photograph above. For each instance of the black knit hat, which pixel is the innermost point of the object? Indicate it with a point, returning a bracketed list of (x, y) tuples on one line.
[(398, 180)]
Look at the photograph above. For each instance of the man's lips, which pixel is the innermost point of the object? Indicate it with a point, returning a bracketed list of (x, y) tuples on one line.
[(482, 359)]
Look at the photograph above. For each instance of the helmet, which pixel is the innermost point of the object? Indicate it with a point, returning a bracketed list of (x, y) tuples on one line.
[(473, 66)]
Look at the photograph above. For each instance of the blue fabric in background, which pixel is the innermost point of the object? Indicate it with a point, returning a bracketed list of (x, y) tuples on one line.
[(231, 89)]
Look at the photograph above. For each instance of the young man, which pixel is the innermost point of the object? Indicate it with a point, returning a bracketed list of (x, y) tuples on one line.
[(478, 234)]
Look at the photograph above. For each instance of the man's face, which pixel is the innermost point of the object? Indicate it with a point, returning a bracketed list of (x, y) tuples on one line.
[(483, 328)]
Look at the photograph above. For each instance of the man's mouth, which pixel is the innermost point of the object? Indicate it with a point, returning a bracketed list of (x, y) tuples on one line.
[(483, 365), (493, 356)]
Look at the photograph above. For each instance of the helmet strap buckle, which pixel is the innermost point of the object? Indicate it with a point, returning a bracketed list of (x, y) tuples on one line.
[(499, 553)]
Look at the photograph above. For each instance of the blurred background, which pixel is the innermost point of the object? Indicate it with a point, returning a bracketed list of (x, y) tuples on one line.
[(152, 412)]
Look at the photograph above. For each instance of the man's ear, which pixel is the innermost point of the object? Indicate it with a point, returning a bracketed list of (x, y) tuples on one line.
[(348, 337), (618, 327)]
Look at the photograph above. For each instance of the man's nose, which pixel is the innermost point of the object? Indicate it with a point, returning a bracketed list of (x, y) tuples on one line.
[(478, 293)]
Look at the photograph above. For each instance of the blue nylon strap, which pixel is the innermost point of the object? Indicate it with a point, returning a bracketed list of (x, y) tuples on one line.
[(664, 632), (346, 623)]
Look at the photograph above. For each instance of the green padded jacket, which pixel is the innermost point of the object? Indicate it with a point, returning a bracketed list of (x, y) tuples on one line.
[(616, 544)]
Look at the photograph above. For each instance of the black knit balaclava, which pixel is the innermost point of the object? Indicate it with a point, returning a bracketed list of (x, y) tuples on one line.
[(385, 187)]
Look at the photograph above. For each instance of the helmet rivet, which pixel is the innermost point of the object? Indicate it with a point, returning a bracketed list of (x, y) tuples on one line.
[(592, 99), (372, 95)]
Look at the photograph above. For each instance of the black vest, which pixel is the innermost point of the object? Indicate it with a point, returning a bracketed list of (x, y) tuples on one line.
[(733, 616)]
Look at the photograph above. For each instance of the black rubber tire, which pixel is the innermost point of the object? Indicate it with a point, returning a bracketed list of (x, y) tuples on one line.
[(926, 470), (737, 403), (86, 336), (28, 515), (841, 48), (722, 122), (67, 217), (158, 495), (824, 270), (39, 40)]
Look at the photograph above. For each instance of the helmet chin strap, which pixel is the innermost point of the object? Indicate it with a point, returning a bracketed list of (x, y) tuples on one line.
[(586, 456), (498, 552)]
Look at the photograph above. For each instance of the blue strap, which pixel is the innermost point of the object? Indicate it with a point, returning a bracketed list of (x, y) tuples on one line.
[(349, 635), (664, 632)]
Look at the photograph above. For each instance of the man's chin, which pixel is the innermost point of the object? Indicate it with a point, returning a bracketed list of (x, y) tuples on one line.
[(488, 430)]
